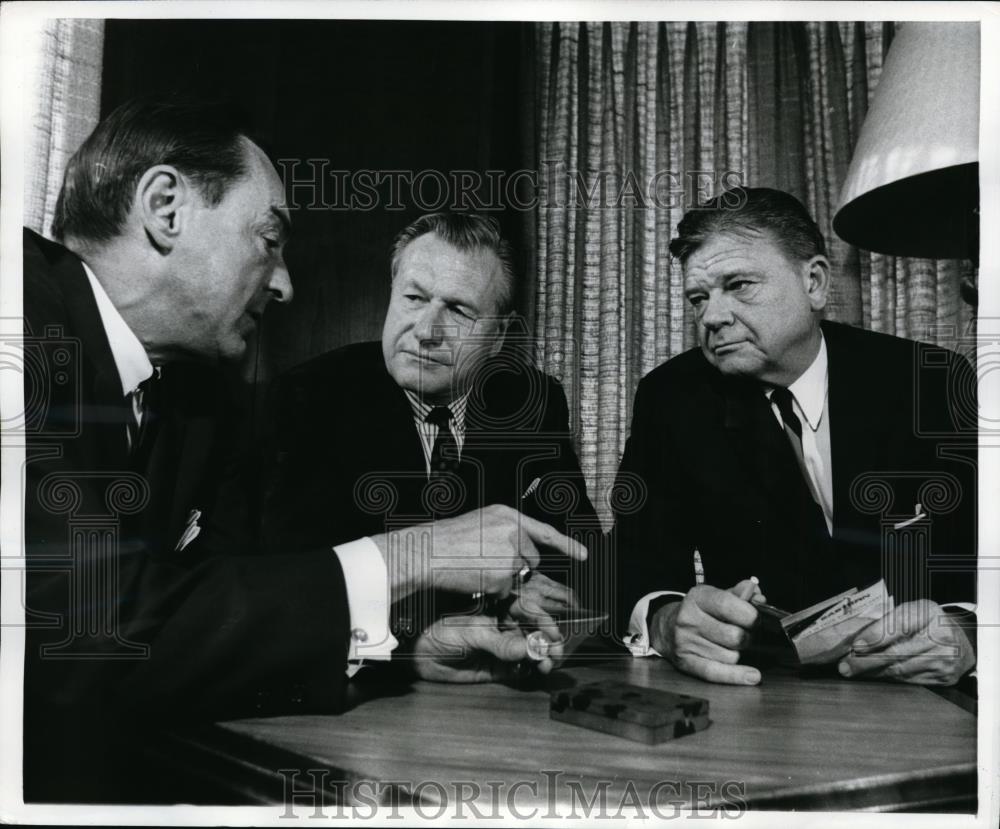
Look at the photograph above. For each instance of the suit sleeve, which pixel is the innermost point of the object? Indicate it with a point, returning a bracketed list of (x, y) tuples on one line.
[(579, 510), (650, 544), (563, 503), (305, 498), (948, 426)]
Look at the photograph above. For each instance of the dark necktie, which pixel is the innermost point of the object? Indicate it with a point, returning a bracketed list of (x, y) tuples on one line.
[(444, 454), (139, 429), (803, 579), (782, 398)]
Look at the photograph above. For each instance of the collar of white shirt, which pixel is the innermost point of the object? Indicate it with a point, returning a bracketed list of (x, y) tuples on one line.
[(130, 357), (811, 388), (457, 406)]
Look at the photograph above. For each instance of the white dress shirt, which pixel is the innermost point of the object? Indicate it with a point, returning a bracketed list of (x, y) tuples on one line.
[(130, 357), (810, 396), (365, 575)]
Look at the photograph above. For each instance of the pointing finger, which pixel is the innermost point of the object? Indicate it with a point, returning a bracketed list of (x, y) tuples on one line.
[(542, 533)]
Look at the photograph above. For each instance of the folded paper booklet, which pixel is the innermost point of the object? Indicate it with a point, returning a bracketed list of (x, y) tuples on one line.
[(824, 632)]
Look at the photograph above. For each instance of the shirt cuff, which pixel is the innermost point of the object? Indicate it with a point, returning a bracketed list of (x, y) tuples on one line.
[(969, 607), (637, 638), (367, 582)]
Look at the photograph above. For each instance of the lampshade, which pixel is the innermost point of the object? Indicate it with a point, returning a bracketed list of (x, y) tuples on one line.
[(913, 185)]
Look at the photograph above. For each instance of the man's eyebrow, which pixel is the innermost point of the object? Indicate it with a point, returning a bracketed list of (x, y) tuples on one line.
[(742, 272), (286, 223)]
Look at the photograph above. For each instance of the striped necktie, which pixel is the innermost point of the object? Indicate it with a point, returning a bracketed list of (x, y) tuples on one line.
[(444, 454)]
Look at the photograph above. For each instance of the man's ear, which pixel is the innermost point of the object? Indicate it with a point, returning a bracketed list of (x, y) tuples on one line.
[(817, 281), (161, 199)]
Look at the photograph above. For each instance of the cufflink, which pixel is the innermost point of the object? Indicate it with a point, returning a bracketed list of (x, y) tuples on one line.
[(359, 635), (402, 626)]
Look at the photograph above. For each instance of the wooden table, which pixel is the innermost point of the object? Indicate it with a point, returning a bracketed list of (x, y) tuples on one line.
[(790, 743)]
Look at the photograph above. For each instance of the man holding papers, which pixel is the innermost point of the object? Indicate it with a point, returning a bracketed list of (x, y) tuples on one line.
[(814, 456)]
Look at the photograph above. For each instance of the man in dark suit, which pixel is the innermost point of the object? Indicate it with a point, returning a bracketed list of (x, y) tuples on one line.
[(790, 449), (172, 224), (445, 415)]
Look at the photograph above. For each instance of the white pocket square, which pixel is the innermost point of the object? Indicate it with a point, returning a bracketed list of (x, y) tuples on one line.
[(190, 531)]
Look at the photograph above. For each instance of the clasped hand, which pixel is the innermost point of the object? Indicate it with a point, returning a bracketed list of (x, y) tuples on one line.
[(483, 648), (704, 633)]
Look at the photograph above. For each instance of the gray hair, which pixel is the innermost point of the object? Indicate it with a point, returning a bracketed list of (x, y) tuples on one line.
[(467, 232)]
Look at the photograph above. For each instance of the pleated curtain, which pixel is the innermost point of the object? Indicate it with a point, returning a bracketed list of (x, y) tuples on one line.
[(635, 123), (62, 103)]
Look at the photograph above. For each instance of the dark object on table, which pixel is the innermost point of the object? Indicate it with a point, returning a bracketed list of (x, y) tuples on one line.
[(644, 715)]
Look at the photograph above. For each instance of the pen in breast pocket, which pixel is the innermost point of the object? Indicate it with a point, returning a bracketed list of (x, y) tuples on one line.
[(531, 488), (918, 515)]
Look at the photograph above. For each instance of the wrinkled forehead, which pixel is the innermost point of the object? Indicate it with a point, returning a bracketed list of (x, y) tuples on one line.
[(431, 249), (728, 252), (436, 264)]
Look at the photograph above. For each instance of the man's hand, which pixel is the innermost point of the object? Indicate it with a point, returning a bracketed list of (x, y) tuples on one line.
[(704, 633), (479, 551), (540, 594), (535, 601), (918, 642), (474, 649)]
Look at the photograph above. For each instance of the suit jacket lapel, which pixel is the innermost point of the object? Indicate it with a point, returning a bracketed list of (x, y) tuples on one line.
[(858, 430), (401, 443), (392, 447), (107, 410), (755, 434), (180, 455)]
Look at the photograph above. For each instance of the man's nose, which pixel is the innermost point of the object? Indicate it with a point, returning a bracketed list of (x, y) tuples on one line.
[(429, 328), (280, 284), (717, 312)]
